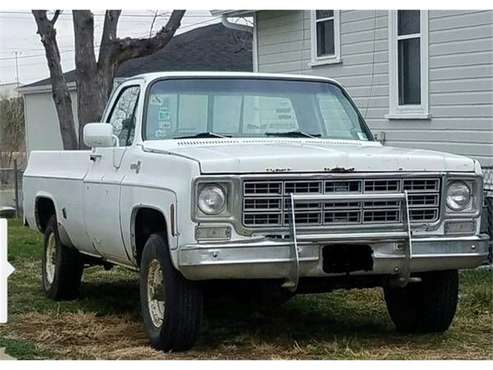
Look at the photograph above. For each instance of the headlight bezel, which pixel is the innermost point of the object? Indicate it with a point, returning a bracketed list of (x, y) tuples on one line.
[(458, 205), (227, 214), (475, 185), (213, 188)]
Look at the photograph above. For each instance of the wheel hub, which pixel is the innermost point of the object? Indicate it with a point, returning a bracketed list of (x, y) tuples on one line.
[(50, 258), (156, 293)]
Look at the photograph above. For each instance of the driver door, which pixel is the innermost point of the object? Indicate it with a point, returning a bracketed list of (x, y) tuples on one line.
[(102, 184)]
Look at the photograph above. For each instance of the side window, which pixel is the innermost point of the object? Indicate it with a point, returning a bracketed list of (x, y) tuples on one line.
[(122, 116)]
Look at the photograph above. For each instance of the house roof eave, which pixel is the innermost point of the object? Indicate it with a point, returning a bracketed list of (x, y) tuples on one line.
[(28, 90), (232, 13)]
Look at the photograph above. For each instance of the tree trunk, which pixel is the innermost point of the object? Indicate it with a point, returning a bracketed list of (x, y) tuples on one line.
[(91, 97), (106, 67), (60, 91)]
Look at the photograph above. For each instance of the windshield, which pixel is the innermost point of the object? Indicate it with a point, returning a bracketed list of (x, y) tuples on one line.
[(250, 108)]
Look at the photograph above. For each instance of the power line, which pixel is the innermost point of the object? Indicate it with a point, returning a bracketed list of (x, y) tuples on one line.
[(98, 45)]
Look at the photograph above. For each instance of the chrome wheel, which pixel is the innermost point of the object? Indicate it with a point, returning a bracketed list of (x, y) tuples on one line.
[(50, 258), (155, 293)]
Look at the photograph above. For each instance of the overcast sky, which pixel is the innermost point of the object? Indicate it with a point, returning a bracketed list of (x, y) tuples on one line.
[(18, 34)]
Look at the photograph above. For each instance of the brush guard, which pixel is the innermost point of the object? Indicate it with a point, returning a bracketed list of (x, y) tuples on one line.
[(405, 235)]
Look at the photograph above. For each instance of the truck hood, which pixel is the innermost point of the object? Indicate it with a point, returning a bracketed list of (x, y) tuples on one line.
[(310, 155)]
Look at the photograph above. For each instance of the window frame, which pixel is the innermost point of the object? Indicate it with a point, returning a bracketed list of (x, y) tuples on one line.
[(326, 59), (408, 111)]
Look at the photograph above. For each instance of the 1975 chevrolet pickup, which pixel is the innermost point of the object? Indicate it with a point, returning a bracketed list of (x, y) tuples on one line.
[(273, 180)]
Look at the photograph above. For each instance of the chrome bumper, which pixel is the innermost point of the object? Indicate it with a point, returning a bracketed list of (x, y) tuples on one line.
[(273, 259), (396, 252)]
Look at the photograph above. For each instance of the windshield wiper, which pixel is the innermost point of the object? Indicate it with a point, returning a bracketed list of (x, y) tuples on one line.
[(201, 135), (292, 134)]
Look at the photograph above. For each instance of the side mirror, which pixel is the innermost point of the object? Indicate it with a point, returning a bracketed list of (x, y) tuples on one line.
[(98, 135)]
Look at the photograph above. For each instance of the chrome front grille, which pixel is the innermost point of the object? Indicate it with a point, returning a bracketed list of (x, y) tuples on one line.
[(267, 203)]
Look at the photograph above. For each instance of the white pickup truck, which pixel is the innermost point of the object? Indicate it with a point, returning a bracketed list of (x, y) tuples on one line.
[(195, 178)]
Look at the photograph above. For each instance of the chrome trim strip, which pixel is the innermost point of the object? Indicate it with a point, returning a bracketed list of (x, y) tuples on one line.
[(293, 279), (393, 196), (356, 237), (406, 274)]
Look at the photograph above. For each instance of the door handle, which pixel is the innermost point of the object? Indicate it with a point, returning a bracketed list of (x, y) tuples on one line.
[(94, 156)]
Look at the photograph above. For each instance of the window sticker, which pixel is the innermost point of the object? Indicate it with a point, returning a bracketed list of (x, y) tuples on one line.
[(156, 100), (164, 118)]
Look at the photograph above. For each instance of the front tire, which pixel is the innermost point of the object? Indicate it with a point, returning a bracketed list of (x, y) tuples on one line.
[(171, 305), (62, 266), (428, 306)]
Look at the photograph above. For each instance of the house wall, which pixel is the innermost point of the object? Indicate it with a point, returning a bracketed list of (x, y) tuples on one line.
[(42, 129), (460, 73)]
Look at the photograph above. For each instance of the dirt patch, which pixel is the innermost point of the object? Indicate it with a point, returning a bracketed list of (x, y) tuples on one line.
[(85, 335), (89, 336)]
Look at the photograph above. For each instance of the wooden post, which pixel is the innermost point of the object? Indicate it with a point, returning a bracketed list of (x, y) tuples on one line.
[(16, 183)]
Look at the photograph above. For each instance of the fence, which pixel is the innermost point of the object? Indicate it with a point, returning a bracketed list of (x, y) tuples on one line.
[(11, 187)]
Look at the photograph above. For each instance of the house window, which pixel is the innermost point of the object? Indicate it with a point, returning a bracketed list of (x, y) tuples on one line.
[(325, 36), (408, 44)]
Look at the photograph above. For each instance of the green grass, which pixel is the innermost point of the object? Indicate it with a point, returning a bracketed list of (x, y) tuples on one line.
[(23, 350), (105, 324)]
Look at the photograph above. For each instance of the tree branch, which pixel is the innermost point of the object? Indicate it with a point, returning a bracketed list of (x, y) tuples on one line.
[(130, 48), (153, 21), (55, 16)]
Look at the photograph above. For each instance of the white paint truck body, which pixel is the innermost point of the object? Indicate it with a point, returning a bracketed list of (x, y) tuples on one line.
[(251, 193)]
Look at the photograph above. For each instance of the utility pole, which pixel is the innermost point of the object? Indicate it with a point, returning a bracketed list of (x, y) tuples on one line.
[(16, 53)]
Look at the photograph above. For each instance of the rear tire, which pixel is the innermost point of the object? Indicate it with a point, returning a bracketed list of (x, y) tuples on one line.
[(62, 266), (426, 307), (171, 305)]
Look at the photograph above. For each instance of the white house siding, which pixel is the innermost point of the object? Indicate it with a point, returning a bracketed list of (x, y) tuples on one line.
[(42, 129), (460, 73)]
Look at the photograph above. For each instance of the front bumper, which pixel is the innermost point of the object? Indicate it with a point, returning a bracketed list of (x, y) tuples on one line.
[(273, 259)]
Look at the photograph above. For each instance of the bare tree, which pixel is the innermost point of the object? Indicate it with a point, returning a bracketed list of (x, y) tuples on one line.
[(60, 91), (95, 77)]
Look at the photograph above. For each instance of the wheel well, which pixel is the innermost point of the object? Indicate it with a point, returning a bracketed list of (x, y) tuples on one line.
[(45, 208), (147, 221)]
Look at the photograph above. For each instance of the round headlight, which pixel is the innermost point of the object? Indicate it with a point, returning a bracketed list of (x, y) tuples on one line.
[(212, 199), (458, 196)]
